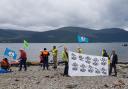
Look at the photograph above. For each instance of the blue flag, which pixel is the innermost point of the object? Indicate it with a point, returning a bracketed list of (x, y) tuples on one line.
[(82, 39), (10, 53)]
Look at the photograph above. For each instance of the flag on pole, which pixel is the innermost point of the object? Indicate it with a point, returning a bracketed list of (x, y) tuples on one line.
[(82, 39), (26, 44), (10, 53)]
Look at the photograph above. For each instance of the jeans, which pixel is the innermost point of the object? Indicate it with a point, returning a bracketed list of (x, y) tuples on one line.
[(45, 64), (23, 62)]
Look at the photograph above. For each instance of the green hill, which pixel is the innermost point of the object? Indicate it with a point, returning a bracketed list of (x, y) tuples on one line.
[(64, 35)]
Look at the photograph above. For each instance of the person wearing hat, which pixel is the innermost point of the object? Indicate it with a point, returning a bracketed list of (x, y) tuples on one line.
[(22, 59), (5, 64)]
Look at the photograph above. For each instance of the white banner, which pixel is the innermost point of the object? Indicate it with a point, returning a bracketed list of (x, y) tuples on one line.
[(87, 65)]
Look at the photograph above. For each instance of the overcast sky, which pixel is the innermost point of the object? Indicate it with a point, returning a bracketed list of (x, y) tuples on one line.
[(42, 15)]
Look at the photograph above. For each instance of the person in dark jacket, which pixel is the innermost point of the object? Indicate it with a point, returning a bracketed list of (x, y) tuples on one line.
[(45, 55), (113, 62), (22, 59)]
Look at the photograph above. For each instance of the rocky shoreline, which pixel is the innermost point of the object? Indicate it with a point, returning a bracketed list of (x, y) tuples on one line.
[(36, 78)]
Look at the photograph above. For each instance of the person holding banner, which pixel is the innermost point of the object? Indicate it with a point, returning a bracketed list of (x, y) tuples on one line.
[(105, 54), (113, 62), (65, 60), (23, 59)]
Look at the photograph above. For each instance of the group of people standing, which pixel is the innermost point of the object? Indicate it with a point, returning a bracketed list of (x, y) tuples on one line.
[(44, 59), (112, 59), (22, 61)]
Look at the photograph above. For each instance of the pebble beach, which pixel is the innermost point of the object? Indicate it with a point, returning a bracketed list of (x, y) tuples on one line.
[(37, 78)]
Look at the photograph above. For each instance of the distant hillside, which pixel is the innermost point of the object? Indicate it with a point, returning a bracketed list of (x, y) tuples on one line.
[(64, 35)]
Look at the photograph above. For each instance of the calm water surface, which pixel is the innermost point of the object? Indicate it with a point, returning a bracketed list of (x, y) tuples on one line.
[(89, 48)]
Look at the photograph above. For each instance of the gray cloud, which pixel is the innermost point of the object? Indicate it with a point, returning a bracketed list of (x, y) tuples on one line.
[(42, 15)]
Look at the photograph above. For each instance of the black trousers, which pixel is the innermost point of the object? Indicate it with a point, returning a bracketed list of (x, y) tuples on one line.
[(45, 64), (23, 62), (112, 66), (66, 68)]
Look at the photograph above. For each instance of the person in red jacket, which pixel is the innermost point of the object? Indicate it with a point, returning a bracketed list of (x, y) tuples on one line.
[(23, 59)]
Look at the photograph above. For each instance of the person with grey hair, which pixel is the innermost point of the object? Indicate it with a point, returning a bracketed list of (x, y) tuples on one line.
[(113, 62)]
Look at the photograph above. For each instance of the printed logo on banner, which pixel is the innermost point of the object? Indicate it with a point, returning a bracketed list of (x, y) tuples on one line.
[(88, 60), (104, 71), (82, 68), (95, 62), (103, 61), (73, 56), (97, 71), (90, 69), (75, 66), (81, 58)]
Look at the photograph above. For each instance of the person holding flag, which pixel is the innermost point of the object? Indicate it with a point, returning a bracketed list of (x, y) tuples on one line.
[(22, 59)]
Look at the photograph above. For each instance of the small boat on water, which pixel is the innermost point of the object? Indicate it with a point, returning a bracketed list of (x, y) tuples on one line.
[(125, 45)]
